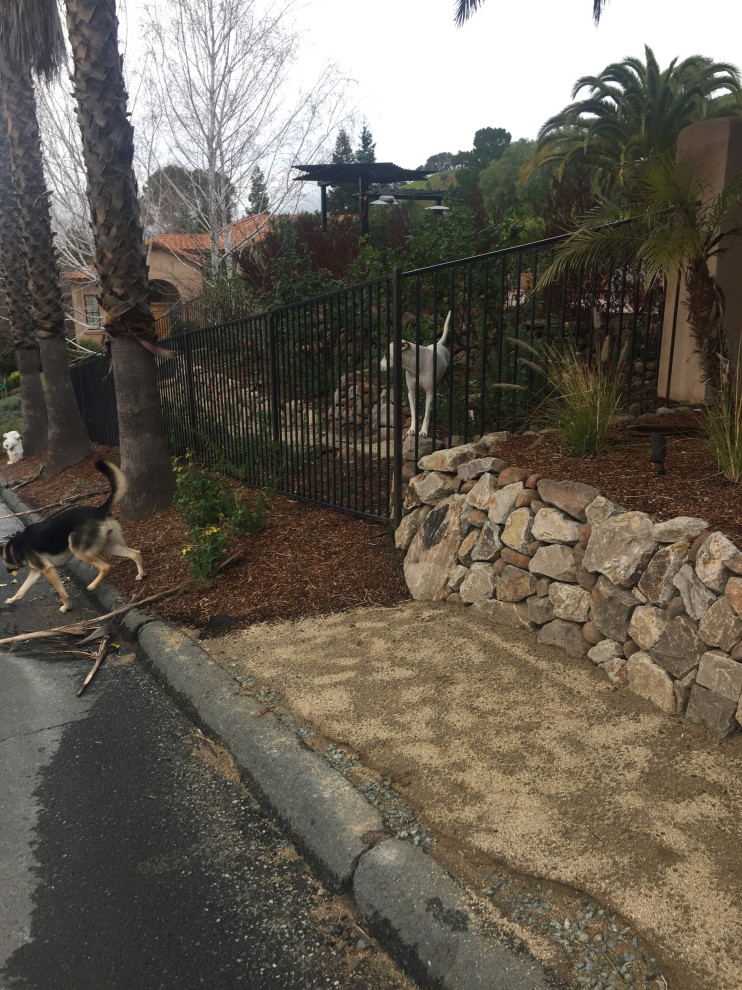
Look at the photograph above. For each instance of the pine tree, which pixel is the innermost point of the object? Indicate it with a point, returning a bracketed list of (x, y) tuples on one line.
[(259, 199), (343, 152), (366, 152)]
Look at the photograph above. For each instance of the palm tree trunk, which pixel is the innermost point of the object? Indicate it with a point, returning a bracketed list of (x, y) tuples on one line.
[(13, 262), (706, 307), (120, 260), (68, 439)]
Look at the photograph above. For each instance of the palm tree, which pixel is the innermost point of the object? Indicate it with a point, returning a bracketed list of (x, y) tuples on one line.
[(679, 227), (634, 111), (465, 8), (29, 41), (13, 263), (120, 260)]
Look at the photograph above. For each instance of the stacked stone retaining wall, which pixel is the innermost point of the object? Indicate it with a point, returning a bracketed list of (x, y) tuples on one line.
[(656, 605)]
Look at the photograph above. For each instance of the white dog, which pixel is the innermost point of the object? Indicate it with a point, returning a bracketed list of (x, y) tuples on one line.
[(419, 361), (12, 444)]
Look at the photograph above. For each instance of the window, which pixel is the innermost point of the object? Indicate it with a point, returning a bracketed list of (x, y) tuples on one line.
[(92, 312)]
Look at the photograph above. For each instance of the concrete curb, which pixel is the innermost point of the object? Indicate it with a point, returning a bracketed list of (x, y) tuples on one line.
[(422, 917)]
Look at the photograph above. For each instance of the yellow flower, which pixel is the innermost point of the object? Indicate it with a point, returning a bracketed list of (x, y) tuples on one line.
[(186, 550)]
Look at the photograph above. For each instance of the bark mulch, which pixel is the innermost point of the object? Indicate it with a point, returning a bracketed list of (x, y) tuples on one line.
[(314, 561)]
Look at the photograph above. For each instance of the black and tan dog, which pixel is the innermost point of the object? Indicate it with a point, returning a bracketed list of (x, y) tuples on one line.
[(83, 531)]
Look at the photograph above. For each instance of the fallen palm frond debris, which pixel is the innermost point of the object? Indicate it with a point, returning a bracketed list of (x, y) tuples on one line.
[(99, 657), (63, 503)]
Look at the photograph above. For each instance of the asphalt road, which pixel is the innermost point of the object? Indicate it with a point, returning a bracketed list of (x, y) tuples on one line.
[(131, 856)]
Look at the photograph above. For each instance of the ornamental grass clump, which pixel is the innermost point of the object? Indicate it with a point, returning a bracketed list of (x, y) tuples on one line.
[(721, 430), (582, 394), (213, 514)]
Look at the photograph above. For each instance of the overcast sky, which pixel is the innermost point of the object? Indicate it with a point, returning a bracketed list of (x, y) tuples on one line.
[(425, 86)]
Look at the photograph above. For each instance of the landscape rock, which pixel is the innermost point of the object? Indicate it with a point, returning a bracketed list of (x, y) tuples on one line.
[(679, 649), (488, 444), (621, 547), (555, 561), (515, 558), (592, 634), (721, 626), (611, 608), (525, 497), (407, 528), (571, 497), (478, 585), (719, 673), (482, 492), (457, 575), (447, 460), (566, 635), (683, 688), (554, 526), (651, 682), (514, 584), (540, 610), (509, 613), (512, 474), (502, 502), (617, 671), (657, 581), (517, 530), (432, 488), (601, 509), (680, 528), (467, 545), (714, 712), (489, 543), (607, 649), (710, 558), (647, 625), (471, 470), (432, 553), (697, 598), (733, 591), (569, 601)]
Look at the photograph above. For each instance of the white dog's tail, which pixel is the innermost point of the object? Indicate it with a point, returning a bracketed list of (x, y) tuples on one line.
[(445, 328)]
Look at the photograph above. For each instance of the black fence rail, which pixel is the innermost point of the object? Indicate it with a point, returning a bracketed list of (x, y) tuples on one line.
[(310, 397)]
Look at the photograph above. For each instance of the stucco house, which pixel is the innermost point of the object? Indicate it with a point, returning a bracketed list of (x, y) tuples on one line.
[(177, 266)]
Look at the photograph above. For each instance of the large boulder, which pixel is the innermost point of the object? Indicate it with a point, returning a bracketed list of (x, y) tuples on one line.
[(657, 582), (432, 553)]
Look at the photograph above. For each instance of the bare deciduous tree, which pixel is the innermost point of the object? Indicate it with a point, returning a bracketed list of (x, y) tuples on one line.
[(225, 101)]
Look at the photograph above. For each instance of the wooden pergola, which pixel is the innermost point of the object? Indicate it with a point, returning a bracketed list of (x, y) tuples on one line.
[(367, 174)]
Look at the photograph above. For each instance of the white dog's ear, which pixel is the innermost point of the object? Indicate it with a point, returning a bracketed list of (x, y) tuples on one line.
[(406, 345)]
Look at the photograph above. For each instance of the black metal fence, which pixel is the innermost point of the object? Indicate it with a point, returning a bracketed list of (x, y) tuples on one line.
[(303, 397)]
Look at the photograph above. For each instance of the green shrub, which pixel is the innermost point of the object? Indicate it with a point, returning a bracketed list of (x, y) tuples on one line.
[(213, 515), (10, 414), (13, 380)]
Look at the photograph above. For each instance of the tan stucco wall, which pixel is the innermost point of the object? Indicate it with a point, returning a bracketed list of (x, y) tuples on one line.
[(716, 147), (183, 274)]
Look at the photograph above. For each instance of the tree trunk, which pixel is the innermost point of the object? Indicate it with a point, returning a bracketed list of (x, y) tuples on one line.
[(33, 401), (120, 259), (706, 307), (68, 439), (13, 262), (143, 449)]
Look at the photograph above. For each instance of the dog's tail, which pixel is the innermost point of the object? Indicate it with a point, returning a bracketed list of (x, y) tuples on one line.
[(117, 482), (445, 328)]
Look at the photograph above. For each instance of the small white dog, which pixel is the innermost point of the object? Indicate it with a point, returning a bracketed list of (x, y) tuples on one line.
[(423, 367), (13, 446)]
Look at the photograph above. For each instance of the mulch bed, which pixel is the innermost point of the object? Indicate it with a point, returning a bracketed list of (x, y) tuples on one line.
[(313, 561)]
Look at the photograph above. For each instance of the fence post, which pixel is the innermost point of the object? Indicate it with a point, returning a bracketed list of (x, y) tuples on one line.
[(190, 393), (273, 385), (398, 485)]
